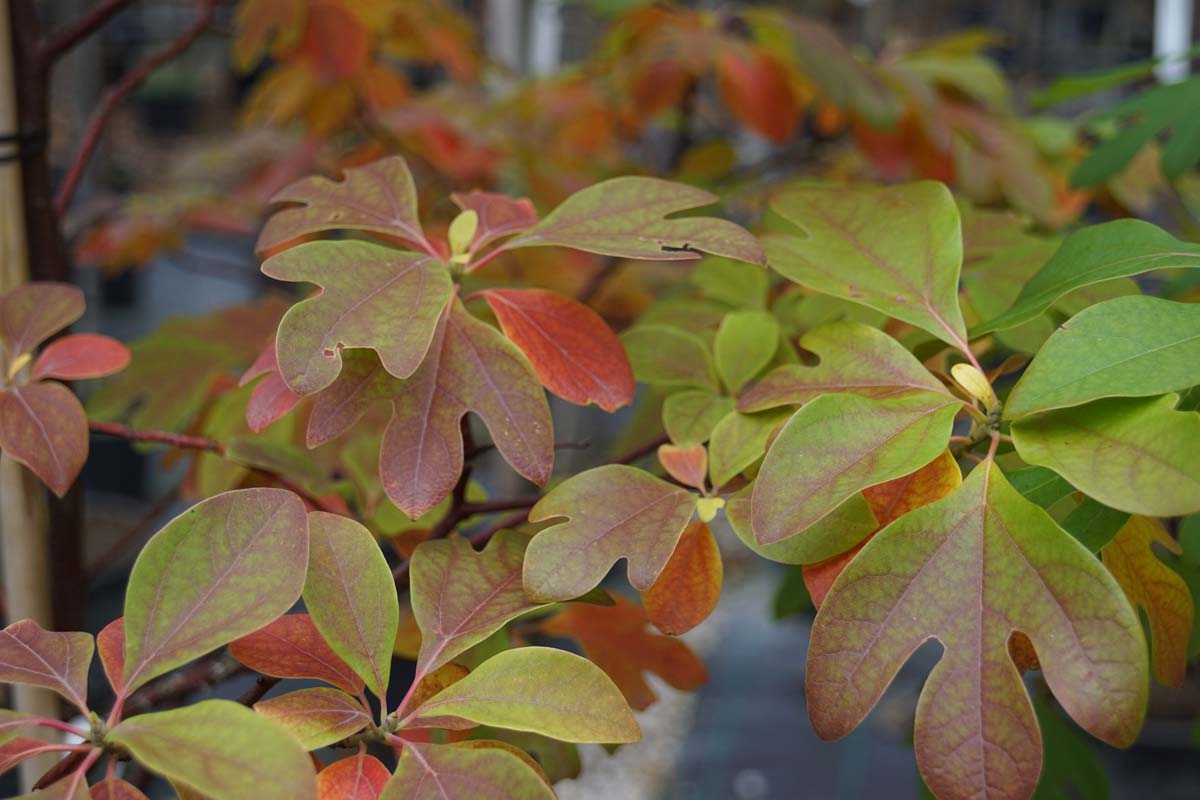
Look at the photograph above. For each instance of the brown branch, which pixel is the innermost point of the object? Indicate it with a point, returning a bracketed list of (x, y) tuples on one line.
[(178, 685), (159, 437), (58, 43), (119, 91), (264, 684)]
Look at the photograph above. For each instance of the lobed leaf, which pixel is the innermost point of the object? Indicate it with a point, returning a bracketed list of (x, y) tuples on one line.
[(221, 750), (688, 588), (33, 312), (359, 777), (537, 689), (1133, 454), (625, 217), (316, 717), (81, 356), (838, 445), (463, 771), (33, 656), (971, 570), (612, 512), (350, 595), (43, 426), (292, 647), (372, 296), (224, 568)]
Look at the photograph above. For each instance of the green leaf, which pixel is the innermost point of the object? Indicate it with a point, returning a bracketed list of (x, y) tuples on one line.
[(735, 283), (1133, 454), (461, 597), (739, 440), (220, 749), (1092, 523), (689, 416), (669, 356), (970, 570), (1041, 486), (791, 595), (838, 445), (372, 296), (611, 512), (316, 717), (559, 760), (1071, 768), (537, 689), (745, 344), (841, 529), (1101, 252), (32, 656), (220, 570), (351, 596), (854, 358), (897, 249), (464, 771), (1126, 347), (625, 217)]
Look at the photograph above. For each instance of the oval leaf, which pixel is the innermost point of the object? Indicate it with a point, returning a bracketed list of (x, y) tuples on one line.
[(292, 647), (690, 416), (32, 656), (316, 717), (745, 343), (359, 777), (463, 771), (668, 356), (688, 588), (688, 465), (80, 356), (43, 426), (33, 312)]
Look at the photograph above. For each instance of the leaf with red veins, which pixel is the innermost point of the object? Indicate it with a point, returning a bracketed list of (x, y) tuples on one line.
[(14, 751), (615, 638), (116, 789), (272, 399), (359, 777), (292, 647), (460, 596), (1152, 586), (499, 216), (362, 382), (350, 594), (854, 358), (688, 588), (32, 656), (317, 717), (379, 198), (372, 296), (81, 356), (611, 512), (33, 312), (627, 217), (971, 570), (110, 644), (574, 352), (43, 426), (688, 465), (464, 771), (470, 367)]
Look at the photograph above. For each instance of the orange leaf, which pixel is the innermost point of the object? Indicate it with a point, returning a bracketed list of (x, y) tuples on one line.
[(359, 777), (80, 356), (688, 588), (110, 644), (271, 399), (755, 87), (292, 647), (688, 465), (335, 44), (1155, 588), (615, 639), (260, 25)]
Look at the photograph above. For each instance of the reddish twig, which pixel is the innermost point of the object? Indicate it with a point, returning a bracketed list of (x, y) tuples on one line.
[(57, 44), (159, 437), (117, 93)]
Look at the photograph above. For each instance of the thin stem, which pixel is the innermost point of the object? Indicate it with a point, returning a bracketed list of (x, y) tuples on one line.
[(497, 251), (59, 725), (117, 93), (159, 437), (57, 44), (991, 453)]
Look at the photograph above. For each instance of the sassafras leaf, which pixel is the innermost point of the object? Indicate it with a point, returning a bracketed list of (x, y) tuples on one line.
[(840, 529), (316, 717), (739, 440), (689, 416), (668, 356), (745, 344), (33, 312), (43, 426), (359, 777), (81, 356), (688, 588), (292, 647), (32, 656), (463, 771)]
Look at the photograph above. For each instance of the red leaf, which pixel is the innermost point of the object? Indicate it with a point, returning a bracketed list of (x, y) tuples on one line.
[(80, 356), (31, 313), (110, 643), (499, 216), (575, 354), (43, 426), (272, 399), (292, 647), (17, 750), (335, 44), (688, 465), (755, 87), (359, 777), (688, 588), (32, 656), (116, 789)]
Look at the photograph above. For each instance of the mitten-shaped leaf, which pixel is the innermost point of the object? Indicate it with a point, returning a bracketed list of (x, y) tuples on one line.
[(43, 426), (350, 594), (372, 296), (1136, 454), (81, 356), (225, 567), (971, 570), (359, 777), (838, 445), (688, 588), (460, 596), (626, 217), (1096, 253), (33, 656), (499, 216), (1155, 588), (221, 750), (574, 352), (897, 249), (1125, 347), (615, 638), (316, 717), (379, 197), (33, 312), (537, 689), (612, 512), (854, 358), (292, 647), (464, 771)]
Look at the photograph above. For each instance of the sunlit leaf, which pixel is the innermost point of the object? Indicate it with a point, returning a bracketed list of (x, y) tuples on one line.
[(1133, 454), (463, 771), (350, 594), (222, 750), (316, 717), (970, 570), (688, 588), (43, 426), (33, 312), (292, 647), (81, 356), (612, 512), (359, 777), (32, 656), (224, 568)]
